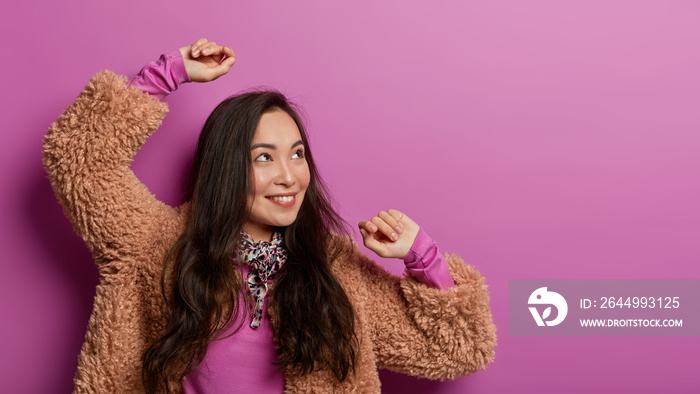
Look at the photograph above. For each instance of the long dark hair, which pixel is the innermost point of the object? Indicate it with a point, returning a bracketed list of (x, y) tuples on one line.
[(314, 328)]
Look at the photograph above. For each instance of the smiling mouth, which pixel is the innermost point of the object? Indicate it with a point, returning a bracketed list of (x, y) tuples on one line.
[(283, 200)]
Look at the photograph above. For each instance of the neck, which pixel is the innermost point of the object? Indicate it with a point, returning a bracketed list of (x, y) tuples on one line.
[(259, 233)]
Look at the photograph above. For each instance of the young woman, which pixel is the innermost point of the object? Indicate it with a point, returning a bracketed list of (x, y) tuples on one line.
[(253, 284)]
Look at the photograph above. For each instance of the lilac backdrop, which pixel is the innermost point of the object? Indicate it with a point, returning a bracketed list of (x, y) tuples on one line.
[(537, 139)]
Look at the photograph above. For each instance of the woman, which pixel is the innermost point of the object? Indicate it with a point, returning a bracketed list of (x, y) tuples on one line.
[(252, 284)]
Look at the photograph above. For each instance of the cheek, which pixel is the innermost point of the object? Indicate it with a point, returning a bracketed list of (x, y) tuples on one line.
[(305, 177), (257, 188), (260, 181)]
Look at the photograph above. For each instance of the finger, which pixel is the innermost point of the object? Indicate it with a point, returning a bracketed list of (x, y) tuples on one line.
[(215, 51), (218, 54), (384, 228), (399, 216), (220, 69), (396, 214), (372, 243), (228, 52), (365, 234), (391, 221), (196, 47), (209, 48), (367, 226)]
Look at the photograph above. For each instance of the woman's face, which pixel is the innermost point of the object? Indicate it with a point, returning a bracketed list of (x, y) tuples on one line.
[(280, 175)]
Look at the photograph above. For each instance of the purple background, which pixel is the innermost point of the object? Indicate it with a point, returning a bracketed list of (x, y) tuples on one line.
[(537, 139)]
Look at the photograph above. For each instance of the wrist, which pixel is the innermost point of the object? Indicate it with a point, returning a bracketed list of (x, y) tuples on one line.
[(178, 67), (162, 77), (421, 244)]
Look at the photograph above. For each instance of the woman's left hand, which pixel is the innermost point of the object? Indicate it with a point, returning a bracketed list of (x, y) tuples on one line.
[(390, 234)]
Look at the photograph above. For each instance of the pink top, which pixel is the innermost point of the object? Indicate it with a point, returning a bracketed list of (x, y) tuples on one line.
[(163, 76), (237, 363), (425, 263)]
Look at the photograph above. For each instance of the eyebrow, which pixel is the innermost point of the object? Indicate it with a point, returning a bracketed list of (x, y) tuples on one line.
[(274, 147)]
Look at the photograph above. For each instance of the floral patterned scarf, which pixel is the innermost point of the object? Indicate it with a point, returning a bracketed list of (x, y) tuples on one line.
[(264, 259)]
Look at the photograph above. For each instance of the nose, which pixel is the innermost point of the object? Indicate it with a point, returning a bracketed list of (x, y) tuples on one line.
[(285, 175)]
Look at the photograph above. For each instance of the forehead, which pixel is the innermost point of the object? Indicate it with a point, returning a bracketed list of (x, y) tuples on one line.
[(277, 128)]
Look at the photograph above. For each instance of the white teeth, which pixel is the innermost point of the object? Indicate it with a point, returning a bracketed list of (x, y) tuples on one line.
[(282, 199)]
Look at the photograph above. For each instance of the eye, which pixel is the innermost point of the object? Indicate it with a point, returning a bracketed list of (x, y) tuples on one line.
[(264, 157), (299, 154)]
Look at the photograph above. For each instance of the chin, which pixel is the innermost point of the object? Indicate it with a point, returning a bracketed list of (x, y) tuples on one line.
[(282, 221)]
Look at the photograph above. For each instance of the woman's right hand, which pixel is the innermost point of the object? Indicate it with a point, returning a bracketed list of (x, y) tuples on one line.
[(205, 61)]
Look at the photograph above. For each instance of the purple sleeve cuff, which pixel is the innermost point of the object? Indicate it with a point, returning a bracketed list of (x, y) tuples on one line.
[(426, 264), (163, 76)]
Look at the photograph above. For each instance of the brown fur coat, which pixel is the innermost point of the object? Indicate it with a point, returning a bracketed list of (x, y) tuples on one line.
[(403, 325)]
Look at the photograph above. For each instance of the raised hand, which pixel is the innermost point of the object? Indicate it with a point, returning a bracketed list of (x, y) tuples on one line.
[(205, 61), (390, 234)]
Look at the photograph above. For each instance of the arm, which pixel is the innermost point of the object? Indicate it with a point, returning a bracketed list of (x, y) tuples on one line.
[(417, 329), (87, 153), (88, 150), (202, 62)]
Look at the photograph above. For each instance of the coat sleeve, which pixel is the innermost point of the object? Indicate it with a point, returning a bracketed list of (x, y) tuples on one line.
[(87, 153), (423, 331)]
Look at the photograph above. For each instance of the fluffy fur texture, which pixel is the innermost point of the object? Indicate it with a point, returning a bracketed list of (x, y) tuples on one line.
[(402, 325)]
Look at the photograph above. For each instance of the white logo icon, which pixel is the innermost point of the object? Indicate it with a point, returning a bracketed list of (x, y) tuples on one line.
[(543, 297)]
